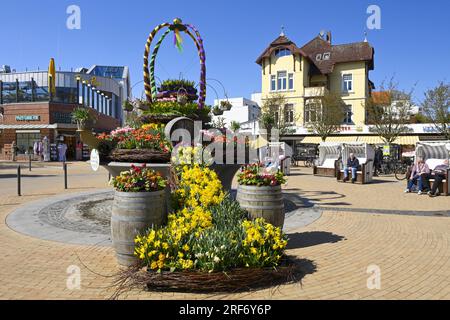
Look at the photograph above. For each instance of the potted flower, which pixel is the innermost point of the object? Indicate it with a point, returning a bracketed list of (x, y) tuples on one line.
[(81, 116), (259, 192), (139, 204), (217, 111), (226, 105)]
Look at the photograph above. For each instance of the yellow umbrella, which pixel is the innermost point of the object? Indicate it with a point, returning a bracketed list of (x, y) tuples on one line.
[(259, 143), (52, 77)]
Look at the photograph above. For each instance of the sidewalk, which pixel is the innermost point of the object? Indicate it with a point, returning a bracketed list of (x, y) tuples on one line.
[(412, 252)]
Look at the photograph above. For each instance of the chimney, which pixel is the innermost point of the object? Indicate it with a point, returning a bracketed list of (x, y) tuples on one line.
[(329, 37)]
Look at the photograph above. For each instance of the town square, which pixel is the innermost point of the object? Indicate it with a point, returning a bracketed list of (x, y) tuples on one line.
[(292, 161)]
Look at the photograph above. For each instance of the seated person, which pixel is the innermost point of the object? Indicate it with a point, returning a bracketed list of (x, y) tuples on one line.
[(418, 173), (438, 174), (352, 164)]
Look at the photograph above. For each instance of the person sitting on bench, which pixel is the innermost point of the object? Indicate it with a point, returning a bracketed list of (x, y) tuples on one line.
[(438, 174), (353, 165), (418, 174)]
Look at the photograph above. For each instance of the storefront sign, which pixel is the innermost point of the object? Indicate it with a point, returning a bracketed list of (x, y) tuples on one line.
[(386, 151), (28, 118), (95, 160)]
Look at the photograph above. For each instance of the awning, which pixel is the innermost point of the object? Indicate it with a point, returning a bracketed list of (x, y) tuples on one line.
[(404, 140), (407, 140), (342, 139), (371, 139), (312, 140), (27, 126)]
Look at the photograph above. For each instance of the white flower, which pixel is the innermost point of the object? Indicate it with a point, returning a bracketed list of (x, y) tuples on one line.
[(216, 259), (222, 247)]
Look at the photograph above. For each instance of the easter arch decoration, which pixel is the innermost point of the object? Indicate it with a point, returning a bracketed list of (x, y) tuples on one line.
[(149, 68)]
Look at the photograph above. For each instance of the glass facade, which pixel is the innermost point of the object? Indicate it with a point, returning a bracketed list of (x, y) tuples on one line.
[(25, 142)]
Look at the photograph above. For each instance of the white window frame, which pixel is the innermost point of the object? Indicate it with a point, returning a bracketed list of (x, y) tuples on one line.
[(290, 77), (289, 111), (273, 82), (282, 80), (345, 83), (348, 109)]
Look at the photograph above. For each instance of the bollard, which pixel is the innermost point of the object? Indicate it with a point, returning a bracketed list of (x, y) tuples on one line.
[(29, 162), (19, 177), (65, 175)]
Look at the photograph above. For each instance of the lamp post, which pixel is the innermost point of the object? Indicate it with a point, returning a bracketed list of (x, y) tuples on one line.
[(94, 100), (78, 89), (98, 101), (83, 92), (89, 95)]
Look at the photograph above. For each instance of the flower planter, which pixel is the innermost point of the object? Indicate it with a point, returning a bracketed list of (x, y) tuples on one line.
[(263, 202), (139, 156), (134, 213)]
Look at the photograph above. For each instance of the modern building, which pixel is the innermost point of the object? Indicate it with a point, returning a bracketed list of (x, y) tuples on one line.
[(242, 111), (30, 111), (304, 74)]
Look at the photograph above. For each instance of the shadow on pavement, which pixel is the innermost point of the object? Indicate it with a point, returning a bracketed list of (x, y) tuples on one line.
[(310, 239)]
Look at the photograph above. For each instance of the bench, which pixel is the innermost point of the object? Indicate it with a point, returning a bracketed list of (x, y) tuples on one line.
[(363, 175), (443, 187), (327, 169)]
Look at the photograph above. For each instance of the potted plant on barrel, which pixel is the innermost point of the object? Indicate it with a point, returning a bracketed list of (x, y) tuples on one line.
[(259, 192), (81, 116), (139, 204)]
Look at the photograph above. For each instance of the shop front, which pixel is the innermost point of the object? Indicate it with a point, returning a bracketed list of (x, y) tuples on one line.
[(26, 128)]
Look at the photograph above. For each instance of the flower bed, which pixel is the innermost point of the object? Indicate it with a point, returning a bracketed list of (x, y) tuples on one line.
[(209, 239), (256, 175)]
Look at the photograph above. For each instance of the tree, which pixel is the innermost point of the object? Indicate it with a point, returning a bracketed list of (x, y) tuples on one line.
[(275, 115), (436, 107), (389, 112), (330, 113), (235, 126)]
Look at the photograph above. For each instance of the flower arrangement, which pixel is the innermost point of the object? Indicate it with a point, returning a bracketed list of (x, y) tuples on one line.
[(188, 155), (143, 144), (198, 187), (138, 179), (257, 175), (209, 232)]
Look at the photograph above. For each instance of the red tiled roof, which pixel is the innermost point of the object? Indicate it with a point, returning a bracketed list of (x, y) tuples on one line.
[(280, 42), (359, 51)]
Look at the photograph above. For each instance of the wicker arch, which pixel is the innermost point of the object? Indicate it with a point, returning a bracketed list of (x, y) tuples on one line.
[(149, 71)]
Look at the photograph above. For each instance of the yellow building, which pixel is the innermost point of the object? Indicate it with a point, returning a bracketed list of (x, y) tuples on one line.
[(306, 73)]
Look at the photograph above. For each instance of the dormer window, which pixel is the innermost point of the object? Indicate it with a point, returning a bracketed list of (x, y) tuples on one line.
[(282, 53)]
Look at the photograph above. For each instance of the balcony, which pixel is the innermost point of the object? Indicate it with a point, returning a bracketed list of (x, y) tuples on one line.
[(313, 92)]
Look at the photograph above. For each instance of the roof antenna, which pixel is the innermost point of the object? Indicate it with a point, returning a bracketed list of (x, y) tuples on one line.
[(282, 34), (365, 36)]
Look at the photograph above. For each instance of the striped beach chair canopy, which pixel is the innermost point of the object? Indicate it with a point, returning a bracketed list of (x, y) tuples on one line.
[(363, 151), (433, 150), (328, 153)]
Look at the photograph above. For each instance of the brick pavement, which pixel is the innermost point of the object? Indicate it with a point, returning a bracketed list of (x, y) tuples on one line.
[(412, 251)]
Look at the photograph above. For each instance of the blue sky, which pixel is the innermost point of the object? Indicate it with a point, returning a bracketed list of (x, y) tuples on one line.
[(413, 43)]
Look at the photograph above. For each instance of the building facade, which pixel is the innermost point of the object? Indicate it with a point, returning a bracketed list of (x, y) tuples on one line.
[(303, 74), (242, 111), (30, 110)]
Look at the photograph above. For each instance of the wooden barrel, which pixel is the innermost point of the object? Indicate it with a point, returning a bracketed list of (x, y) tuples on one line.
[(263, 202), (134, 213)]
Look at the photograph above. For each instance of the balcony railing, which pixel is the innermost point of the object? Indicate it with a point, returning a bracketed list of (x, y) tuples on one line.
[(313, 92)]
